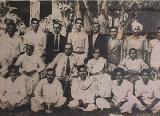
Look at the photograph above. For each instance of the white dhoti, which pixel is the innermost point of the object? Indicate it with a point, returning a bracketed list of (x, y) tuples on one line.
[(36, 104), (74, 104), (131, 101), (102, 103), (31, 83)]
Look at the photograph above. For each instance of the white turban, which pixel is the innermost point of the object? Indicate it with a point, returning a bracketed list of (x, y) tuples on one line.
[(136, 24)]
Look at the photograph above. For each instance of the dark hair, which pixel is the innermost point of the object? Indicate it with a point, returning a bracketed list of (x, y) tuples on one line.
[(96, 23), (94, 49), (132, 49), (69, 44), (81, 66), (145, 71), (158, 28), (78, 19), (56, 22), (12, 24), (118, 70), (113, 28), (34, 19)]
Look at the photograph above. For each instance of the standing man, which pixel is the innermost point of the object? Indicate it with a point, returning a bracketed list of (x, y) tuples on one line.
[(114, 47), (10, 47), (55, 43), (79, 40), (36, 36), (154, 51), (97, 40)]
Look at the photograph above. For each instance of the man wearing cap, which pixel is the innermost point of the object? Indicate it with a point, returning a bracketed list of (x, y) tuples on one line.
[(136, 41)]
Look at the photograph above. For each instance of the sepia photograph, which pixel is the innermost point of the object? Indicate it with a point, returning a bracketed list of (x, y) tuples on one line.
[(79, 57)]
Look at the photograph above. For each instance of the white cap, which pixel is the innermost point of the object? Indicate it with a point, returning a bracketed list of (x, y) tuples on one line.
[(136, 24)]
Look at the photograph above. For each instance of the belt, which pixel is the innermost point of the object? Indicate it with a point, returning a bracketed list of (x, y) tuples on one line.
[(78, 52)]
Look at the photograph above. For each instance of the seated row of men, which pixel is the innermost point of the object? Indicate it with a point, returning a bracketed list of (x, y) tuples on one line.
[(66, 78), (88, 92)]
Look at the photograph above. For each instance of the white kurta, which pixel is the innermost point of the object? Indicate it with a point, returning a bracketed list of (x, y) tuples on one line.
[(148, 92), (96, 66), (154, 47), (47, 93), (135, 65), (103, 85), (15, 92), (124, 92), (38, 39), (61, 62), (85, 91), (9, 49), (28, 64)]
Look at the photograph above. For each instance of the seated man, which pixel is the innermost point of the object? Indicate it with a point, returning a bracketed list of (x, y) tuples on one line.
[(132, 64), (83, 91), (97, 64), (97, 67), (147, 92), (48, 93), (122, 90), (65, 66), (14, 94), (30, 65)]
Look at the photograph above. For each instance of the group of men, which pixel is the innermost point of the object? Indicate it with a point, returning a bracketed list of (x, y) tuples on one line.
[(80, 71)]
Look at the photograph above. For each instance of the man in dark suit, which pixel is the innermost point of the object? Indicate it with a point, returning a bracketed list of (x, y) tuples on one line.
[(97, 40), (55, 43)]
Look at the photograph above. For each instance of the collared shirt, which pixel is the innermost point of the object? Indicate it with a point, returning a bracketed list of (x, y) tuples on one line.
[(48, 93), (61, 62), (146, 91), (79, 40), (83, 90), (15, 91), (9, 48), (135, 65), (96, 66), (121, 92), (30, 63), (38, 39)]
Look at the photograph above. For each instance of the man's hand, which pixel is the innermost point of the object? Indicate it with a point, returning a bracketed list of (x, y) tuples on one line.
[(112, 105), (52, 106), (44, 105), (120, 104), (81, 104)]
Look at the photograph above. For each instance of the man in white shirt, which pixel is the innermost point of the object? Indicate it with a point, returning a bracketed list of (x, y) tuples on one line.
[(83, 91), (30, 65), (132, 64), (79, 40), (154, 51), (122, 90), (48, 93), (36, 36), (65, 67), (10, 47), (14, 94), (147, 91)]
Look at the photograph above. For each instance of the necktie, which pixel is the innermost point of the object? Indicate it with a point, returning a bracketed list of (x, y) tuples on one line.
[(68, 67), (56, 43)]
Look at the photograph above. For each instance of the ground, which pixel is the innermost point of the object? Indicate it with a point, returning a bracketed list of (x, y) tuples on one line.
[(68, 112)]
